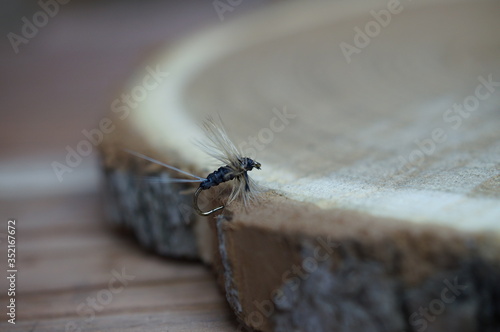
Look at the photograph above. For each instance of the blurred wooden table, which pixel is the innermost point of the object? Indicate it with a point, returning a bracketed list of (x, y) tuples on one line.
[(77, 274), (58, 84)]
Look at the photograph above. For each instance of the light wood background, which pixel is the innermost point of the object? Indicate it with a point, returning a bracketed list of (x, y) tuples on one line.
[(359, 124)]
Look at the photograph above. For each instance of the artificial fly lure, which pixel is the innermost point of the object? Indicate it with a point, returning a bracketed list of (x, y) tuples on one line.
[(236, 168)]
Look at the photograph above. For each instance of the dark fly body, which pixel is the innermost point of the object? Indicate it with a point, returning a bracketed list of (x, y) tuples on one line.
[(236, 168)]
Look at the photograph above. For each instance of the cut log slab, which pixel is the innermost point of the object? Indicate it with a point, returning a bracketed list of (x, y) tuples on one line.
[(380, 150), (346, 271), (159, 214)]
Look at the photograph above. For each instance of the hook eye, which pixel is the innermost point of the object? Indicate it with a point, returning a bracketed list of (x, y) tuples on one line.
[(197, 209)]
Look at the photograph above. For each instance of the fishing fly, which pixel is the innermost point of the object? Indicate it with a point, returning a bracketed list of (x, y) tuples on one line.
[(236, 168)]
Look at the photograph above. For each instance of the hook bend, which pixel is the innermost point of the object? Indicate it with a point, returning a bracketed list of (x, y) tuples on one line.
[(197, 209)]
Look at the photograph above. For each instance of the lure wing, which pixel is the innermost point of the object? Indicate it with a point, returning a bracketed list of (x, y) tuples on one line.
[(220, 145)]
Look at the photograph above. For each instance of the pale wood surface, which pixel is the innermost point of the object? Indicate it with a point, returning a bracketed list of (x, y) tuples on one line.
[(355, 121)]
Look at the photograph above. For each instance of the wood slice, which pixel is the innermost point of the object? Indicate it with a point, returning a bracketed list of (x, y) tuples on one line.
[(377, 126)]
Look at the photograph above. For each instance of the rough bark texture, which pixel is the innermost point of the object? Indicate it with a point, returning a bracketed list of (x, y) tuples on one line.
[(160, 218), (352, 278)]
